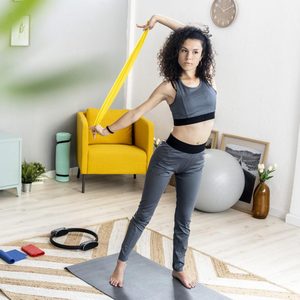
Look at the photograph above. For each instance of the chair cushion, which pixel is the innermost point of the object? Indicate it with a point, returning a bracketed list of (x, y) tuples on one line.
[(123, 136), (116, 159)]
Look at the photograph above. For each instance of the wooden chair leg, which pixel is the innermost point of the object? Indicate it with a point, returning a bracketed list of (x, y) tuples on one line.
[(134, 176), (83, 183), (78, 173)]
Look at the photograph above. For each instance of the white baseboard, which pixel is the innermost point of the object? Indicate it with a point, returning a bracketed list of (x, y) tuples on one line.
[(50, 174), (292, 219), (72, 172), (277, 213)]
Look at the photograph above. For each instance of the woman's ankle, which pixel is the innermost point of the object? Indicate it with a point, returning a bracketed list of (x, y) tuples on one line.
[(121, 263)]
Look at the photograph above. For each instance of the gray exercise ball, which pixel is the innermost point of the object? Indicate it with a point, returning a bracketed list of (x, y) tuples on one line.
[(222, 182)]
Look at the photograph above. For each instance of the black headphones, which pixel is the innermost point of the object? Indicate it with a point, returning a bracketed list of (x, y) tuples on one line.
[(87, 245)]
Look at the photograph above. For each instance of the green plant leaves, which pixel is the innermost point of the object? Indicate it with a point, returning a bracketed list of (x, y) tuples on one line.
[(265, 175), (59, 79), (31, 171)]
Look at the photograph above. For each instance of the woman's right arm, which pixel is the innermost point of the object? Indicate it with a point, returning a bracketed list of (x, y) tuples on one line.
[(166, 21), (164, 91)]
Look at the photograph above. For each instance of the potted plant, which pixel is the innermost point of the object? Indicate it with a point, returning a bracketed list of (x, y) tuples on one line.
[(30, 173)]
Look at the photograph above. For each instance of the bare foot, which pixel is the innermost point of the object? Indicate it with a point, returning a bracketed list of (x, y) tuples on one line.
[(117, 276), (184, 279)]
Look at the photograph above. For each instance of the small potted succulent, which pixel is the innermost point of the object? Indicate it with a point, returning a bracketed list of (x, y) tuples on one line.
[(31, 172)]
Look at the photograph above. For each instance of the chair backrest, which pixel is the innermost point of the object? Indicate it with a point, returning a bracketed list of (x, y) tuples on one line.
[(123, 136)]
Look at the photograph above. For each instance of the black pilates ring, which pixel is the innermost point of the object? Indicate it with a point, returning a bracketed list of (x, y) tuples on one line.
[(84, 246)]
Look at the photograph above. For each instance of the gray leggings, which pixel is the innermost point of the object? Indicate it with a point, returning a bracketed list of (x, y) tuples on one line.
[(187, 168)]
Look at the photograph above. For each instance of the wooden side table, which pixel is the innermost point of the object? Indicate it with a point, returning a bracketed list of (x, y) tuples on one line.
[(10, 162)]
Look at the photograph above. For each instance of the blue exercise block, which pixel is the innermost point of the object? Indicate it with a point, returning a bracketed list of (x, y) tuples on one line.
[(12, 256)]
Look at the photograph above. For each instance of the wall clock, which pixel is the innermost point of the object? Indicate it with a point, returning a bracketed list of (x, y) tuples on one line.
[(223, 12)]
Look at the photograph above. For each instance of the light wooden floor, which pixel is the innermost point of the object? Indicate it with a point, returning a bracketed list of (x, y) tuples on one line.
[(269, 248)]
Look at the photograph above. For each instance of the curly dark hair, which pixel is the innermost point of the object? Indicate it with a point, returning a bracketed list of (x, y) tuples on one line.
[(168, 55)]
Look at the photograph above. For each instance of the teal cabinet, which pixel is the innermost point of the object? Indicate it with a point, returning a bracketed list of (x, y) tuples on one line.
[(10, 162)]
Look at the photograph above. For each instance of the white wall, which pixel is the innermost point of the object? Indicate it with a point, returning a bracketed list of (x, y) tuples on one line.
[(293, 217), (258, 65), (83, 40)]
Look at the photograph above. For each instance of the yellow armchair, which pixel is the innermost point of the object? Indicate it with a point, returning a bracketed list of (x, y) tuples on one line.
[(127, 151)]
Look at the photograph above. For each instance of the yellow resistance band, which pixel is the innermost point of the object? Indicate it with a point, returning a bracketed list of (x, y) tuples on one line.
[(120, 79)]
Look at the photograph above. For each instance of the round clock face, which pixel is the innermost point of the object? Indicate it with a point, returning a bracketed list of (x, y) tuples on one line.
[(223, 12)]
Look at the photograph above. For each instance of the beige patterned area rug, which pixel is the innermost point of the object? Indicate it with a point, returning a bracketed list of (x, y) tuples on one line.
[(44, 277)]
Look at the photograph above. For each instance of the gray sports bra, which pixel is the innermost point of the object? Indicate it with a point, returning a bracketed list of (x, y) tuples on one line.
[(193, 104)]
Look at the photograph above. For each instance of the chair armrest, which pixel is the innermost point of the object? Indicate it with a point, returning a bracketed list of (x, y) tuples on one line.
[(82, 142), (144, 136)]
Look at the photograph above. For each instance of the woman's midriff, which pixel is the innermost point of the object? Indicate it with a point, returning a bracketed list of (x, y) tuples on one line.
[(194, 134)]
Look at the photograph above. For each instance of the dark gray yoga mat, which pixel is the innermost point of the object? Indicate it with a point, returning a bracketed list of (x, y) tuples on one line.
[(144, 280)]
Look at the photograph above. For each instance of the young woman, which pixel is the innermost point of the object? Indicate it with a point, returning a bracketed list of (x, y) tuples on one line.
[(187, 65)]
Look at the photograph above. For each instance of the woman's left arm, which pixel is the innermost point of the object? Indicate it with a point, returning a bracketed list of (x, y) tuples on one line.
[(166, 21)]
